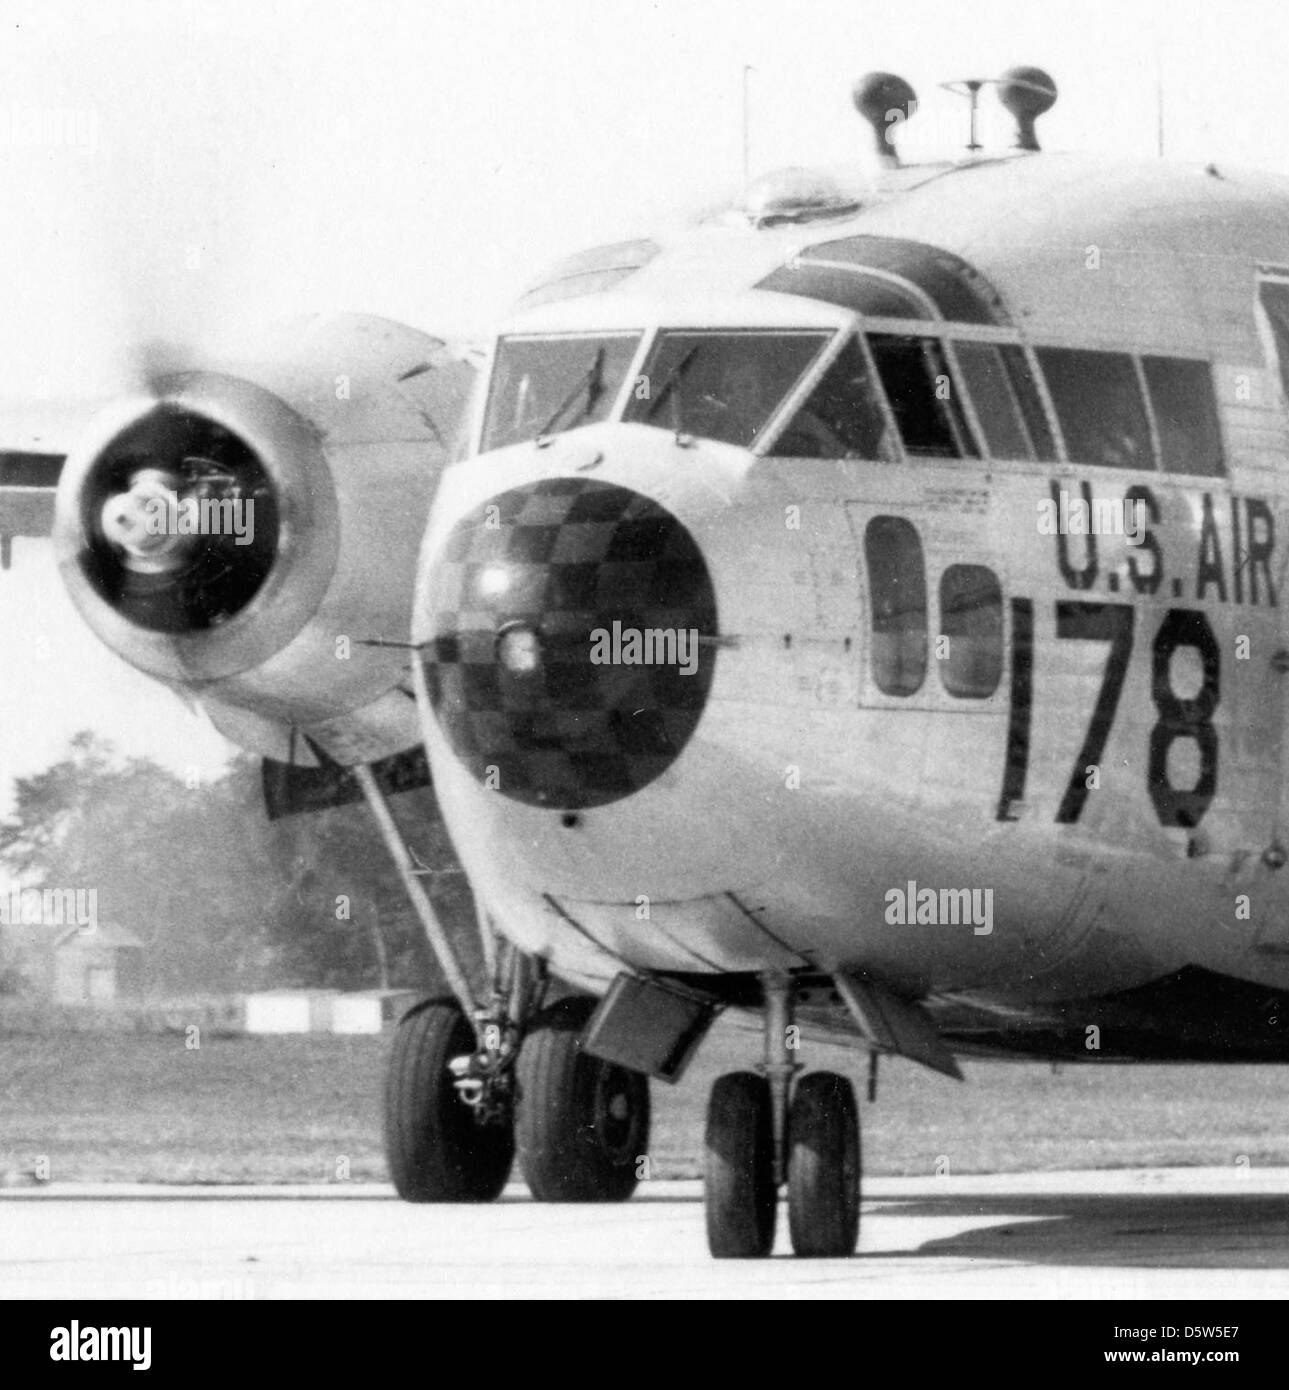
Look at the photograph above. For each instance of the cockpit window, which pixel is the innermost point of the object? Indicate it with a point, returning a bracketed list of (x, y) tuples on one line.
[(1099, 403), (545, 385), (1185, 406), (842, 418), (959, 291), (721, 385), (923, 396), (993, 395)]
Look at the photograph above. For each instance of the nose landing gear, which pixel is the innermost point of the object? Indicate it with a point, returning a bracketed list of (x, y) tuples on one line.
[(438, 1148), (470, 1080), (455, 1112), (463, 1094), (762, 1133)]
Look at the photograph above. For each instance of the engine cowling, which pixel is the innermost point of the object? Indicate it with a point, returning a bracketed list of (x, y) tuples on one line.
[(247, 532)]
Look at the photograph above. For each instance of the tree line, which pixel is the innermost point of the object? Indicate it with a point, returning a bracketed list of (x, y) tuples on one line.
[(222, 898)]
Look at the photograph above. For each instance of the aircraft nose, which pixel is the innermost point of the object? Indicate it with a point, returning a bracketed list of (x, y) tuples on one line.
[(567, 634)]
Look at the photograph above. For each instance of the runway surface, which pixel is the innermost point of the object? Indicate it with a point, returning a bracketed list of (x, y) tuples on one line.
[(1159, 1233)]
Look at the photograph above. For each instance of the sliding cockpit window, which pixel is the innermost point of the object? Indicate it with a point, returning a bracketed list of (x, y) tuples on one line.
[(842, 418), (722, 385), (1008, 408), (923, 396), (547, 384)]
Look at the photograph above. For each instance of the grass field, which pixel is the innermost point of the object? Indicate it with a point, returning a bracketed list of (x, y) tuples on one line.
[(131, 1108)]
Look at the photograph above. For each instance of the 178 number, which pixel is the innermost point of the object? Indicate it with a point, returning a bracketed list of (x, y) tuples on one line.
[(1179, 717)]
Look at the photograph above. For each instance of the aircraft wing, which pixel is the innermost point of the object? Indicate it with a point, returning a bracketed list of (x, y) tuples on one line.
[(34, 441), (27, 482)]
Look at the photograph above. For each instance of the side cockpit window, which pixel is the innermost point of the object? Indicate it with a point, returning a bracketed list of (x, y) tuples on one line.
[(1020, 374), (1100, 407), (1008, 407), (922, 395), (1273, 296), (897, 595), (843, 416), (1185, 406), (722, 385)]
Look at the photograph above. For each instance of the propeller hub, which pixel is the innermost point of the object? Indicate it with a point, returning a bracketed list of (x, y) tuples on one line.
[(180, 520), (138, 522)]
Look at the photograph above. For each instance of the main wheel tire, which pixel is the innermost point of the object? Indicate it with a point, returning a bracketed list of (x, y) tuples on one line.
[(738, 1168), (435, 1149), (582, 1124), (823, 1167)]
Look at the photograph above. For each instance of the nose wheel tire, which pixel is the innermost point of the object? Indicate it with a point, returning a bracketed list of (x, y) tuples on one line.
[(823, 1167), (738, 1168), (582, 1124), (436, 1149)]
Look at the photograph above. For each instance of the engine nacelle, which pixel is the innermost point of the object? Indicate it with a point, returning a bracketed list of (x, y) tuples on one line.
[(248, 534)]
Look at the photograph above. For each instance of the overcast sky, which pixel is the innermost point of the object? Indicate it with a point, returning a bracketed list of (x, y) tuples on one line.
[(423, 160)]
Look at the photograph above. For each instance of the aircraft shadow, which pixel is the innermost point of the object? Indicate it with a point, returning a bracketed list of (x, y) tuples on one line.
[(1196, 1231)]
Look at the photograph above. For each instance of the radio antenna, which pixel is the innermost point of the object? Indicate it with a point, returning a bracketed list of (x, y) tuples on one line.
[(1159, 91), (747, 140), (969, 88)]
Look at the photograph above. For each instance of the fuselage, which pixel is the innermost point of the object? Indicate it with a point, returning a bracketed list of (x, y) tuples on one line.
[(963, 666)]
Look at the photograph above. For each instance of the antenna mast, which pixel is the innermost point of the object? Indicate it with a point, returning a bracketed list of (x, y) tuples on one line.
[(747, 143), (1159, 93)]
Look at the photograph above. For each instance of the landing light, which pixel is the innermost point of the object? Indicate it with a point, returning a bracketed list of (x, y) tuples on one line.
[(494, 581), (519, 650)]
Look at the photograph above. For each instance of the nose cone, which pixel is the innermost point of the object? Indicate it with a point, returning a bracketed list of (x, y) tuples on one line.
[(566, 636)]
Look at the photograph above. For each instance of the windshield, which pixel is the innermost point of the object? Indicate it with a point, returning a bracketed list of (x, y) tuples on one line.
[(721, 385), (549, 384)]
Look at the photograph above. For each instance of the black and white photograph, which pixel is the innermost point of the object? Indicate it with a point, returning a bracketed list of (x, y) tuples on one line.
[(644, 659)]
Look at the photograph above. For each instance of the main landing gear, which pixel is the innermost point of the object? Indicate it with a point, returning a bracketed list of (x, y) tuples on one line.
[(762, 1132)]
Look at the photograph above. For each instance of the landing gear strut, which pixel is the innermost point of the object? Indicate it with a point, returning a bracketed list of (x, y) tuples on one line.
[(469, 1080), (762, 1133)]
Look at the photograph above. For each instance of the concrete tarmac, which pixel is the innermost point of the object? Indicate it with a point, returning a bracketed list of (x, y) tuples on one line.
[(1158, 1233)]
